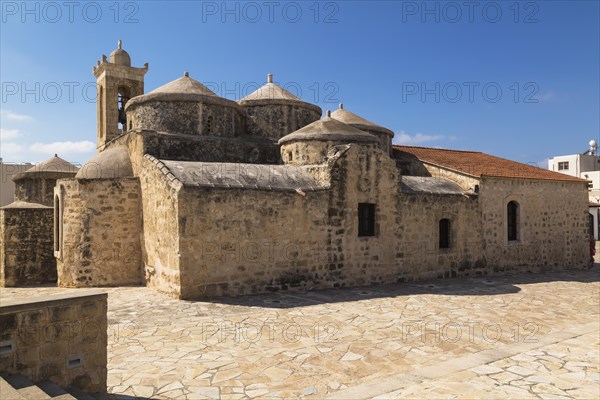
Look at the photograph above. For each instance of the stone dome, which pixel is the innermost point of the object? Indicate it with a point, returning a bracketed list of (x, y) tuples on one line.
[(111, 163), (271, 93), (120, 56), (181, 89), (356, 121), (185, 106), (329, 129), (53, 168)]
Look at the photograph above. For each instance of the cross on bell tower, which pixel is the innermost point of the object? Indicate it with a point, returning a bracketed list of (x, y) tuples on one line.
[(117, 82)]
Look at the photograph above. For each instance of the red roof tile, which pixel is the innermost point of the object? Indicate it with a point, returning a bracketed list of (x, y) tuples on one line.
[(479, 164)]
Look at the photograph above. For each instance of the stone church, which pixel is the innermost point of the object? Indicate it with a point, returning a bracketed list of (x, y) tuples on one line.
[(196, 195)]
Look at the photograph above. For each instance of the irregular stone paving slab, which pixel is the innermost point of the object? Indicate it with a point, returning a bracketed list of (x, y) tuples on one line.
[(521, 336)]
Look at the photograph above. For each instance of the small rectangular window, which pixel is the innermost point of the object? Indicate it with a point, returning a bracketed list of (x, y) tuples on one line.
[(366, 219), (444, 233), (563, 165)]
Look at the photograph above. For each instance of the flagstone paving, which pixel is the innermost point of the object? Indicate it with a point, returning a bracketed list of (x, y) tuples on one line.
[(521, 336)]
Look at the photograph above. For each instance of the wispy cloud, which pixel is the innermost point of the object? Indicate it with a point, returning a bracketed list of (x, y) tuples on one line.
[(8, 115), (67, 147), (9, 134), (405, 138), (550, 95), (12, 151), (543, 163)]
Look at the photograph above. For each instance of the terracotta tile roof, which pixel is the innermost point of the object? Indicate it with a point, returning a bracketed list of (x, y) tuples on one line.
[(479, 164)]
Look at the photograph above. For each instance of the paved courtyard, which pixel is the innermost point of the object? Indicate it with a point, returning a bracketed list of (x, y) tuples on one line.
[(522, 336)]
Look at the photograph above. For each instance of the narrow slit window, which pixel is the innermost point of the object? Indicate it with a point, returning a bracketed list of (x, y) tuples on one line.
[(57, 224), (444, 233), (366, 219), (512, 216), (209, 123)]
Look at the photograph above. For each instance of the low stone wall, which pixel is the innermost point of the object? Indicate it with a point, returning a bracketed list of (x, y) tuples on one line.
[(61, 338), (101, 240), (26, 240)]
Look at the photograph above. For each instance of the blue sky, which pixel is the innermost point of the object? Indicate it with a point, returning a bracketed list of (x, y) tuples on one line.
[(515, 79)]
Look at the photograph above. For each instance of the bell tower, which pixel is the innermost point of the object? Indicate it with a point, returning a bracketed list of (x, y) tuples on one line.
[(117, 82)]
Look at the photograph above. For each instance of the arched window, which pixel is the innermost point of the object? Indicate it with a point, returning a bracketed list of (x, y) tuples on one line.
[(512, 220), (123, 98), (444, 233), (58, 224)]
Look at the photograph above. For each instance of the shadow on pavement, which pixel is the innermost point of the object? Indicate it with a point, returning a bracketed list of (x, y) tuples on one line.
[(467, 286)]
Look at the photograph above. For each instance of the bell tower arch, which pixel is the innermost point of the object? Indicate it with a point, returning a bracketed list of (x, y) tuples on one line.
[(117, 82)]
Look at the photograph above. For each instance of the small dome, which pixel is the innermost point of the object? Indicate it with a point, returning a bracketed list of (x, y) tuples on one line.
[(356, 121), (329, 130), (271, 93), (120, 56), (111, 163), (52, 168)]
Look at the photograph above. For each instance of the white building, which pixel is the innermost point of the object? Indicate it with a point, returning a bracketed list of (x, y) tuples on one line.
[(586, 166), (7, 186)]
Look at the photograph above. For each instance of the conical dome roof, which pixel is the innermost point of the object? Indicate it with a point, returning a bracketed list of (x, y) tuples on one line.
[(181, 89), (52, 168), (271, 93), (359, 122), (186, 85), (329, 130)]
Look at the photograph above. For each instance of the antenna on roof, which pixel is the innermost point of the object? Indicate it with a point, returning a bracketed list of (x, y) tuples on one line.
[(593, 147)]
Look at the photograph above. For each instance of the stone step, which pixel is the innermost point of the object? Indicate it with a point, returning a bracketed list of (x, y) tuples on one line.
[(8, 392), (55, 391), (79, 394), (108, 396), (25, 388)]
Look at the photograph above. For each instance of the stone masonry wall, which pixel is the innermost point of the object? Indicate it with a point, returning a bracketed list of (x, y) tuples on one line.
[(419, 255), (197, 148), (101, 233), (274, 121), (60, 338), (160, 204), (246, 241), (553, 227), (363, 174), (26, 240), (188, 117), (35, 190)]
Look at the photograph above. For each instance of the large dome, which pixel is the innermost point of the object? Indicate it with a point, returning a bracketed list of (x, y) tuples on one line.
[(185, 106), (271, 93), (181, 89)]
